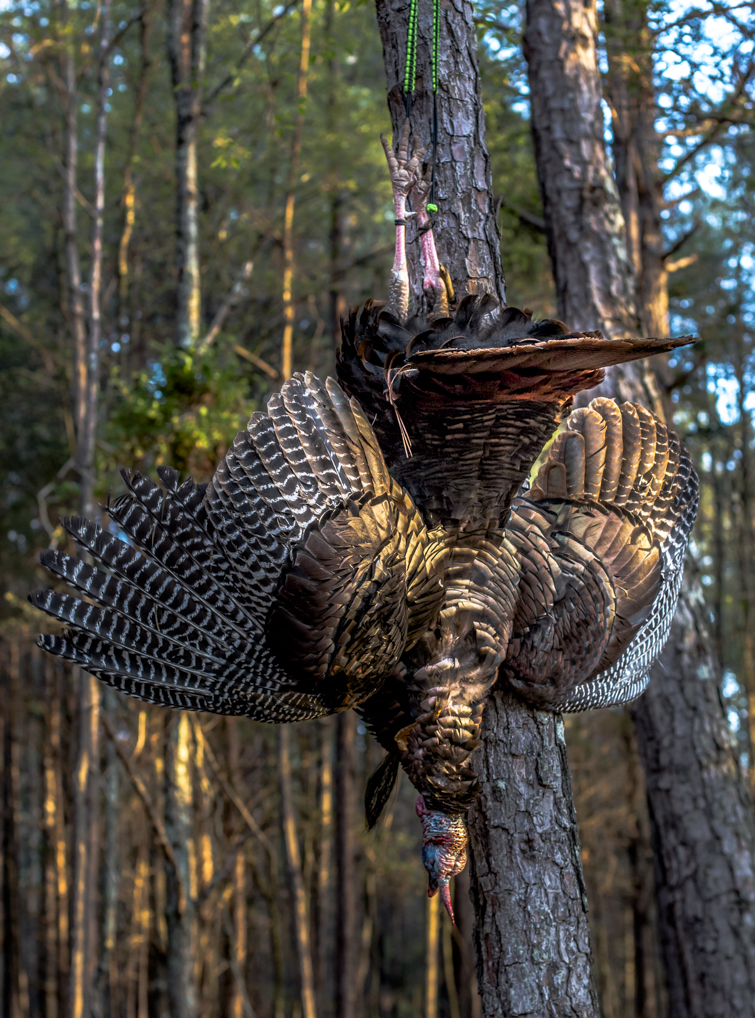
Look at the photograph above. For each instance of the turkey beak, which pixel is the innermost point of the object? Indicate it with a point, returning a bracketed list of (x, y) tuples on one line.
[(445, 897)]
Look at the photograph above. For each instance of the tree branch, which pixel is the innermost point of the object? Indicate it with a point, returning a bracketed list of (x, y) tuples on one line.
[(245, 53)]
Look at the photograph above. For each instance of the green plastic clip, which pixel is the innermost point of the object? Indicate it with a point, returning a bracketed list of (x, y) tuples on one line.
[(432, 208)]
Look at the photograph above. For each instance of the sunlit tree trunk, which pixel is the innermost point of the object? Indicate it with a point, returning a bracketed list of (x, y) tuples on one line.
[(701, 821), (296, 882), (346, 887), (128, 189), (181, 880), (325, 859), (187, 28), (107, 975), (287, 350)]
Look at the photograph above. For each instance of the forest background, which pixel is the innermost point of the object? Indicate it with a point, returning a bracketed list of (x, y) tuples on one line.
[(294, 225)]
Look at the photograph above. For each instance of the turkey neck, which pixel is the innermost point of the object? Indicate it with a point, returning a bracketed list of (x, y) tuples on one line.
[(452, 667), (470, 451)]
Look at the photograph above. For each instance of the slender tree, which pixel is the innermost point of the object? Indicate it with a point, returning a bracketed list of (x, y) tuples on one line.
[(180, 871), (346, 887), (287, 349), (187, 49)]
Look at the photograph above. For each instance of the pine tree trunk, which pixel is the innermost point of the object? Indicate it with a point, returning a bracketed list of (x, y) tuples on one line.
[(636, 152), (702, 831), (701, 822), (187, 25), (295, 878), (527, 886), (181, 884), (467, 234), (346, 926), (287, 345), (512, 970)]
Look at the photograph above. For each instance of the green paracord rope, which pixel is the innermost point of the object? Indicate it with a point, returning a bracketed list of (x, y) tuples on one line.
[(410, 78), (410, 73)]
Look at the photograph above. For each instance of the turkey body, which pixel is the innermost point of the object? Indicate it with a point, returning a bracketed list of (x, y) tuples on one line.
[(372, 545)]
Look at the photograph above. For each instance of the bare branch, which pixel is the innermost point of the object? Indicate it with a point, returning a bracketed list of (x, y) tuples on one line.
[(246, 52), (527, 218), (680, 242), (149, 808), (222, 313)]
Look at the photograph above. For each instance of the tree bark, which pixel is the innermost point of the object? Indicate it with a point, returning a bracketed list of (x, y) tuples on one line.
[(467, 235), (680, 720), (187, 27), (468, 244), (636, 152), (527, 886), (583, 223), (702, 831)]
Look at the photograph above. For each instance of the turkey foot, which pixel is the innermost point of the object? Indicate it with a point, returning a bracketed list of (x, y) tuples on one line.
[(404, 172)]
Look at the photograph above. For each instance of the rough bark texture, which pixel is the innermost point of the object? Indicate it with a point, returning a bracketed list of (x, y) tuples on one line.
[(702, 826), (511, 962), (583, 222), (527, 885), (636, 151), (467, 235), (702, 832)]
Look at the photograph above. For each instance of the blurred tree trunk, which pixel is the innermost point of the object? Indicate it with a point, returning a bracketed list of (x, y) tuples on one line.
[(107, 974), (746, 553), (295, 879), (346, 877), (10, 939), (515, 844), (187, 30), (287, 349), (86, 790), (467, 235), (181, 908), (701, 823), (335, 238), (324, 859), (239, 946)]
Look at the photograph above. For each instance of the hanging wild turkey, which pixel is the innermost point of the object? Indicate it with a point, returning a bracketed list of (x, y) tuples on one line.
[(372, 544)]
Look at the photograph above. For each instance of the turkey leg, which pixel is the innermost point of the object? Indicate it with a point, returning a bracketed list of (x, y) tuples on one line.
[(403, 172)]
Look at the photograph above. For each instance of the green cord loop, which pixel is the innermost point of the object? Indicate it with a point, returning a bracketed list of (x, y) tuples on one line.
[(410, 73)]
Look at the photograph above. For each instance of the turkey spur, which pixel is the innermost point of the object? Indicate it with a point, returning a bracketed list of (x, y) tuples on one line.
[(371, 543)]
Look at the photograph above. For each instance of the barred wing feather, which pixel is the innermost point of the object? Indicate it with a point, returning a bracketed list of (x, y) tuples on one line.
[(601, 538), (286, 589)]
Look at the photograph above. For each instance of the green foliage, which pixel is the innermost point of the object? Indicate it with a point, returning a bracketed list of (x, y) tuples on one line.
[(184, 410)]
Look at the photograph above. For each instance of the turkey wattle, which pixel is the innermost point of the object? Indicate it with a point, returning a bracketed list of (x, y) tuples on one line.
[(369, 544)]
